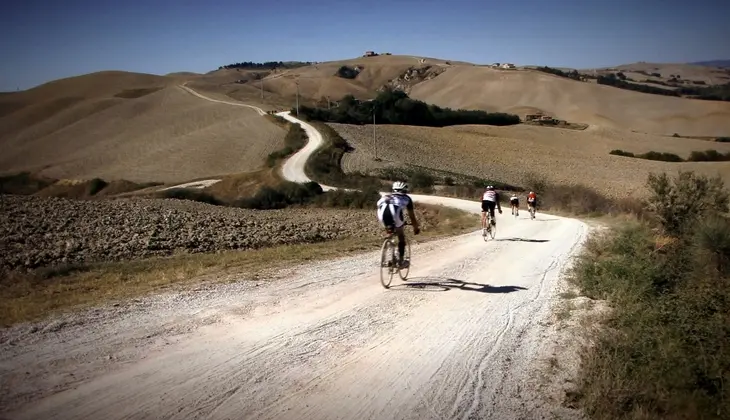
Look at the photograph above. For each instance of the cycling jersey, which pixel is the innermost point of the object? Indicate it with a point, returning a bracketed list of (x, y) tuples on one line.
[(531, 197), (390, 209), (489, 195)]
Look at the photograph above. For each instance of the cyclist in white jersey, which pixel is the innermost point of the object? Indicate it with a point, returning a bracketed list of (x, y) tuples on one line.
[(515, 202), (390, 214), (490, 200)]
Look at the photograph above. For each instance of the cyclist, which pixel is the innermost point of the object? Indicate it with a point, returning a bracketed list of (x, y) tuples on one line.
[(532, 200), (515, 202), (390, 214), (490, 200)]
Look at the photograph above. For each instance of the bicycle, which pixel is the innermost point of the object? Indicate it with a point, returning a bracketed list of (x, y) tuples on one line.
[(531, 209), (389, 259), (490, 230)]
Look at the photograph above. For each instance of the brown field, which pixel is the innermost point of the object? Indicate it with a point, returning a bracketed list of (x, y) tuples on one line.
[(507, 154), (117, 125)]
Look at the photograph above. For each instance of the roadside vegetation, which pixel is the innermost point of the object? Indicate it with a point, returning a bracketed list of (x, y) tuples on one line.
[(695, 156), (295, 140), (663, 351), (395, 107), (325, 164)]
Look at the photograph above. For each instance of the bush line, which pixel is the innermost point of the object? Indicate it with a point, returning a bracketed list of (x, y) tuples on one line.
[(695, 156), (395, 107)]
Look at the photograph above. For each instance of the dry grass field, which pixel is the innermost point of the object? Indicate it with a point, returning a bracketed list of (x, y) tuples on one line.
[(141, 128), (522, 91), (507, 154)]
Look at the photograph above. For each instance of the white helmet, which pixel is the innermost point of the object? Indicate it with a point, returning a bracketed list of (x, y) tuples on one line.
[(399, 186), (490, 187)]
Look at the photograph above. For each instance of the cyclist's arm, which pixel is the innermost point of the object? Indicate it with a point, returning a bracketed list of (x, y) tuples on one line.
[(412, 214)]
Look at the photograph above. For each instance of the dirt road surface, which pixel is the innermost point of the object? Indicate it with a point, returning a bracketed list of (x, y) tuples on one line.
[(463, 338)]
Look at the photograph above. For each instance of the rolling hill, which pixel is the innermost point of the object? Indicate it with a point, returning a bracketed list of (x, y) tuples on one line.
[(133, 126), (464, 85)]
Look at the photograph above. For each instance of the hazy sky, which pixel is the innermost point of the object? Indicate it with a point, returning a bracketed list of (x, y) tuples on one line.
[(45, 40)]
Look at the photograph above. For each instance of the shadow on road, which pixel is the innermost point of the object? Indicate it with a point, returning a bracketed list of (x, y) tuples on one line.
[(440, 284), (545, 220), (523, 240)]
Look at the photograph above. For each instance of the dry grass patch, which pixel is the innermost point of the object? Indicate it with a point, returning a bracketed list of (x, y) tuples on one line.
[(167, 136), (136, 93), (234, 187), (26, 297)]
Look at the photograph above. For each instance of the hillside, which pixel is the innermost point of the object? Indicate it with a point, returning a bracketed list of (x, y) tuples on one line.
[(464, 85), (529, 91), (133, 126), (713, 63)]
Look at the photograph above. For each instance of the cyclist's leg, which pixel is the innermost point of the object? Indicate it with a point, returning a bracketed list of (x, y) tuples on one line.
[(401, 243), (492, 206), (399, 230), (485, 208)]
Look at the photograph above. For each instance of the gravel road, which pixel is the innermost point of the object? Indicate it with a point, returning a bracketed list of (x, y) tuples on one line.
[(464, 338)]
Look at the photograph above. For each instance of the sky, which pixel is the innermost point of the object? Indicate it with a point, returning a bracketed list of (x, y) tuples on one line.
[(46, 40)]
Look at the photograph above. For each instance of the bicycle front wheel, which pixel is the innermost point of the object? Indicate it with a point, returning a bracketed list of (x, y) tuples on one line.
[(387, 263)]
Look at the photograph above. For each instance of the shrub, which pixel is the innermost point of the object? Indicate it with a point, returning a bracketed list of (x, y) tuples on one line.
[(23, 183), (664, 353), (660, 156), (612, 80), (708, 156), (395, 107), (96, 185), (349, 199), (189, 194), (619, 152), (713, 236), (723, 139), (324, 165), (573, 74), (347, 72), (680, 202), (711, 93), (296, 138), (281, 196)]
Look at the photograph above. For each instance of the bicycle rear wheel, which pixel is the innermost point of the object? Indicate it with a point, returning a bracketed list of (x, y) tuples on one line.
[(403, 272), (387, 263), (492, 230)]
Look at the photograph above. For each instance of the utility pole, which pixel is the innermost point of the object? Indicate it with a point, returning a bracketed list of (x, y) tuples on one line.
[(297, 83), (375, 144)]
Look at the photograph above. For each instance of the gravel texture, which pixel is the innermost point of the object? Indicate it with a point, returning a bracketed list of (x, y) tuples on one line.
[(37, 232)]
